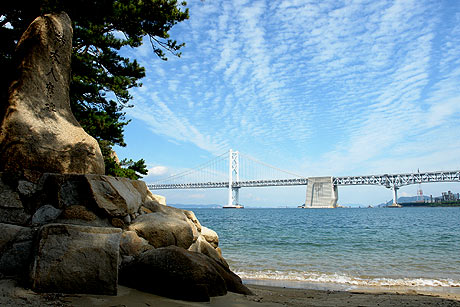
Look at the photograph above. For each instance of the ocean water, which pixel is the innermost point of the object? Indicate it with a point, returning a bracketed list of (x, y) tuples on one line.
[(346, 249)]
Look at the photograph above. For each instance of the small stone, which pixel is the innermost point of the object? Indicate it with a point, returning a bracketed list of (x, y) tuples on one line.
[(26, 188), (45, 214)]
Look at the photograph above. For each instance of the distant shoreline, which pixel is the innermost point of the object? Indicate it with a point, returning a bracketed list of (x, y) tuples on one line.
[(432, 205)]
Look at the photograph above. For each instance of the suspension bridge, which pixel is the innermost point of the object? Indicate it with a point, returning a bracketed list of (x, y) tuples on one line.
[(234, 170)]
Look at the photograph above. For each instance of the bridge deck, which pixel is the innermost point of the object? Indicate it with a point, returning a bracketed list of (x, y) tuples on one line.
[(386, 180)]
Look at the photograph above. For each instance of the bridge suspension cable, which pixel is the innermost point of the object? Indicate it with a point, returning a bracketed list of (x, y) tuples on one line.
[(215, 174), (214, 170)]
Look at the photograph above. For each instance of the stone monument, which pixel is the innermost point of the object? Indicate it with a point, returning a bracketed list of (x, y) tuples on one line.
[(39, 131)]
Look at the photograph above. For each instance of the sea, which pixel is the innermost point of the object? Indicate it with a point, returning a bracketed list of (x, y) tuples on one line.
[(342, 248)]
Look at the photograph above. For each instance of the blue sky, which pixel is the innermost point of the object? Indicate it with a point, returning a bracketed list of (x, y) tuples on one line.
[(314, 87)]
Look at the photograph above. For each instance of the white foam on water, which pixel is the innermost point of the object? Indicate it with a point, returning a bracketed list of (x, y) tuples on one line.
[(335, 278)]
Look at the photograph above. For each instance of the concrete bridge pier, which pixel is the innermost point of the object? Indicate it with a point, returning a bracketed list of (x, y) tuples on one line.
[(395, 189), (321, 193)]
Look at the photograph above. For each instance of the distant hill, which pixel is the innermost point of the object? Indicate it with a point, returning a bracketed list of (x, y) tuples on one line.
[(195, 206)]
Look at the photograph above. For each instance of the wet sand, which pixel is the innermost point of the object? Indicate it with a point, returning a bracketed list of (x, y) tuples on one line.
[(12, 295)]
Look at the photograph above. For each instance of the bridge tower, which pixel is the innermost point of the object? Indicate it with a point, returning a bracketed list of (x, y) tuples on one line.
[(233, 175)]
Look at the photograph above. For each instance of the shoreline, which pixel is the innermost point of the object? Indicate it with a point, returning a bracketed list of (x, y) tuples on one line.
[(295, 284), (264, 296)]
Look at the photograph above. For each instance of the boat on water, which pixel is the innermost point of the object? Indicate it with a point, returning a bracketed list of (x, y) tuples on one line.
[(238, 206), (394, 206)]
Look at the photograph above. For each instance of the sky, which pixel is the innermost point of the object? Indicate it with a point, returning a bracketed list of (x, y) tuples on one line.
[(319, 88)]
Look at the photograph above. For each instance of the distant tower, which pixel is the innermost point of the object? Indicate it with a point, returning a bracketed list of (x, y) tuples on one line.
[(420, 198)]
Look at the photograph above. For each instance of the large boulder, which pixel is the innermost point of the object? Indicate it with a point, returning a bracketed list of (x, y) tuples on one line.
[(179, 274), (76, 259), (16, 244), (161, 230), (39, 131)]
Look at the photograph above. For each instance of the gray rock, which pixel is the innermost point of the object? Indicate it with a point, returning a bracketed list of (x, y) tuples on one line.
[(45, 214), (153, 206), (162, 230), (8, 197), (176, 273), (15, 249), (12, 210), (127, 219), (117, 196), (146, 195), (26, 188), (39, 131), (76, 259)]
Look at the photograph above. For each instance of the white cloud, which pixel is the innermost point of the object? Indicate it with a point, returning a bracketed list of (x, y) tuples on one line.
[(158, 171)]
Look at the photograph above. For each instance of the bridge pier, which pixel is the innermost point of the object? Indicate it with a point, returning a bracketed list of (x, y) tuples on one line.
[(395, 195), (233, 169), (321, 193)]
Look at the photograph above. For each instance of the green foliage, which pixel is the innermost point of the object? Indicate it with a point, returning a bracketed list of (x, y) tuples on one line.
[(101, 77), (124, 168)]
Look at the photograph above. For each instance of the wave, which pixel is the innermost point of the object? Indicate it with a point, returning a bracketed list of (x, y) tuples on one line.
[(343, 279)]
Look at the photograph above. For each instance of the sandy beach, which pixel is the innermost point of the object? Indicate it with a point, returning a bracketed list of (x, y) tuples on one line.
[(13, 295)]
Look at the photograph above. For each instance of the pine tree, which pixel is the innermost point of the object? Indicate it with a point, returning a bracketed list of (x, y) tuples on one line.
[(101, 77)]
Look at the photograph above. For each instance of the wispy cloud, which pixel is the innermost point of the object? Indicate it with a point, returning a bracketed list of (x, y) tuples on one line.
[(333, 86)]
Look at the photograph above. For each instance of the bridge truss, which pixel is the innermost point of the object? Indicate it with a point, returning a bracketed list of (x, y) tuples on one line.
[(399, 180)]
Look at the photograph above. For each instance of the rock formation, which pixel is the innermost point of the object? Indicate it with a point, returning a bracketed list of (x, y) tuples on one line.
[(39, 131), (82, 238), (66, 228)]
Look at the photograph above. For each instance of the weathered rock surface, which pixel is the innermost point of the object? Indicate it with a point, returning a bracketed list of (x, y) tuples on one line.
[(117, 196), (39, 131), (176, 273), (158, 199), (45, 214), (203, 246), (15, 249), (210, 236), (133, 245), (76, 259), (11, 208), (161, 230)]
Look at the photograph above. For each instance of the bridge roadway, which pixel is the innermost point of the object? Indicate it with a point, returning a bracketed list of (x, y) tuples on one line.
[(386, 180)]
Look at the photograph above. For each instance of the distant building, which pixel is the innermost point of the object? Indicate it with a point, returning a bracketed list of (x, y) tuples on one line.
[(449, 196)]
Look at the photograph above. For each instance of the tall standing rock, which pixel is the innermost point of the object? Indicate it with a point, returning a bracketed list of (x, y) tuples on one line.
[(39, 131)]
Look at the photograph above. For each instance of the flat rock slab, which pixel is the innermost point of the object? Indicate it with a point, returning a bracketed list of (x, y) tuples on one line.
[(76, 259)]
